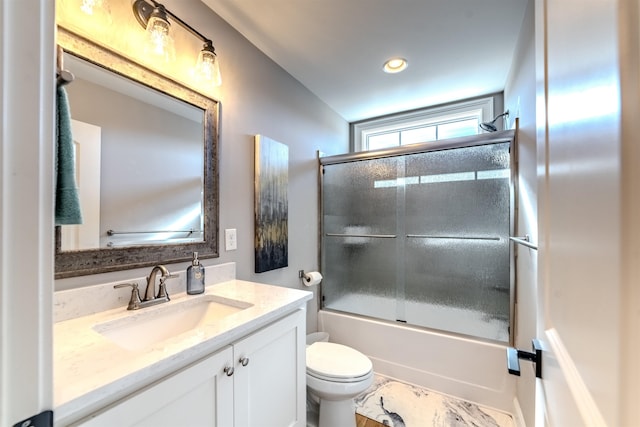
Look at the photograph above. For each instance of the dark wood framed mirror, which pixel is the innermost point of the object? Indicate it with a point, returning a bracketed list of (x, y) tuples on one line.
[(180, 190)]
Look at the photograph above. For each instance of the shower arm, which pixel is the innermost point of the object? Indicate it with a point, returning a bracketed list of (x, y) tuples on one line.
[(490, 126)]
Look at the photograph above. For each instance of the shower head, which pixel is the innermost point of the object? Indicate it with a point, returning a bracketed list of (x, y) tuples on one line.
[(490, 126)]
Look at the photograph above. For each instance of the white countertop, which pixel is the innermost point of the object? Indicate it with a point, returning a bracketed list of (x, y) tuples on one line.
[(91, 370)]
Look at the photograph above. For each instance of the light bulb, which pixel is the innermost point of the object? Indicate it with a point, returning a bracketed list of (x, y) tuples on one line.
[(159, 40), (207, 67)]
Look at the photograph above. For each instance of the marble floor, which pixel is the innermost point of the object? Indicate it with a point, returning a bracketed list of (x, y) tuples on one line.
[(397, 404)]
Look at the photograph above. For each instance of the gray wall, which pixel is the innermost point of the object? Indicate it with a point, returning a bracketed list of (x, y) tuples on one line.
[(259, 97)]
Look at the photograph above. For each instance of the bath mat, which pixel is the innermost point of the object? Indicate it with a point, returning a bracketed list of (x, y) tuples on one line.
[(397, 404)]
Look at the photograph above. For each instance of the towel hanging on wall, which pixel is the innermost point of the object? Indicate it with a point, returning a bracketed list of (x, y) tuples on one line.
[(67, 210)]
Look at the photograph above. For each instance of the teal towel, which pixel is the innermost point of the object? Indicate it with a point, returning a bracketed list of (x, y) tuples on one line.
[(67, 201)]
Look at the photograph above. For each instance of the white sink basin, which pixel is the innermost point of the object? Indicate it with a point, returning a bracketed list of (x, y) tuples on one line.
[(150, 326)]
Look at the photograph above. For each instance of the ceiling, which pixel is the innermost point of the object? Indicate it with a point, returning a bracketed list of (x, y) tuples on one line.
[(456, 49)]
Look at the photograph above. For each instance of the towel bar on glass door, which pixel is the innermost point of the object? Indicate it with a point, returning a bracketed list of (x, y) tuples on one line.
[(524, 241), (373, 236), (425, 236)]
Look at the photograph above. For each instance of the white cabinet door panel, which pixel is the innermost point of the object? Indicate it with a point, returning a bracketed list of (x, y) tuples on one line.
[(270, 389), (200, 395)]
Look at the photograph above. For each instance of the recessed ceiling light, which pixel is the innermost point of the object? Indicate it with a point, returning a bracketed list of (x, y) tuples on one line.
[(395, 65)]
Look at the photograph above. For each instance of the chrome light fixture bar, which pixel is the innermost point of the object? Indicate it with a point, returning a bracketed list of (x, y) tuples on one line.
[(154, 18)]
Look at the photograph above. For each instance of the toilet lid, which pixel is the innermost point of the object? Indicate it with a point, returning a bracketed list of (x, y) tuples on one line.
[(330, 360)]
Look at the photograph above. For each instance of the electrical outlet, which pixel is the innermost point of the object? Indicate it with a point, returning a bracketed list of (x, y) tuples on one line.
[(230, 239)]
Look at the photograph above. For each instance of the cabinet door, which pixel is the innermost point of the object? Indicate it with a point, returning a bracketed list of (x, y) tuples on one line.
[(199, 395), (270, 390)]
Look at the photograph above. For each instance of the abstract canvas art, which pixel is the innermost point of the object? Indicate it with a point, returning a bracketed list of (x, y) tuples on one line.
[(271, 204)]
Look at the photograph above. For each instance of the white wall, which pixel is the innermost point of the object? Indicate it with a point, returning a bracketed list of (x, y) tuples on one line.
[(258, 97), (520, 100)]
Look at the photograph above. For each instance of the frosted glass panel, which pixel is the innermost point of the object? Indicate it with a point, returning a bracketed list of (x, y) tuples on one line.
[(359, 240), (457, 257), (421, 238)]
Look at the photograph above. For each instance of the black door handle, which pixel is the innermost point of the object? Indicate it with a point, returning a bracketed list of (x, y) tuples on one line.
[(514, 355)]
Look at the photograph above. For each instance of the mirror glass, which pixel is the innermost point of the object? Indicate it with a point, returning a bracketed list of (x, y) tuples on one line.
[(146, 165), (139, 162)]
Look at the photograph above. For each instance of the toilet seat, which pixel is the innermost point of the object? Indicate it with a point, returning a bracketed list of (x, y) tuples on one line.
[(337, 363)]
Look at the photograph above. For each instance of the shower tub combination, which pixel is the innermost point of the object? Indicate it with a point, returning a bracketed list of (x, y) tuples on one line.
[(417, 262)]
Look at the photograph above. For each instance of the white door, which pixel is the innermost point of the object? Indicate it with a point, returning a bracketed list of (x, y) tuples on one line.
[(87, 142), (583, 292), (27, 87)]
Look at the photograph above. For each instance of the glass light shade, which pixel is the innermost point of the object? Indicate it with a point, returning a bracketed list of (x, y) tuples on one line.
[(207, 67), (159, 40)]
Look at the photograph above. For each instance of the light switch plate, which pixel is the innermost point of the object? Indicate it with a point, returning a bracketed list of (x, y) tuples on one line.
[(230, 239)]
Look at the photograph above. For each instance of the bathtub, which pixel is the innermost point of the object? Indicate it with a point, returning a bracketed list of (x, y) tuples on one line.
[(462, 367)]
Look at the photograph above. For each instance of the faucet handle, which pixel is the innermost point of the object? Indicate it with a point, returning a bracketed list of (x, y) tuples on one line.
[(134, 301), (162, 288)]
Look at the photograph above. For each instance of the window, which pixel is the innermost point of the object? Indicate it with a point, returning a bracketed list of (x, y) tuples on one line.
[(431, 124)]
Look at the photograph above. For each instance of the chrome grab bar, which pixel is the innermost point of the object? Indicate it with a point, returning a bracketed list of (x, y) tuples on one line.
[(373, 236), (426, 236), (520, 240)]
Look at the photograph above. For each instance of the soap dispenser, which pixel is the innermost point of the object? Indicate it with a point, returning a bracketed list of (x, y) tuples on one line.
[(195, 276)]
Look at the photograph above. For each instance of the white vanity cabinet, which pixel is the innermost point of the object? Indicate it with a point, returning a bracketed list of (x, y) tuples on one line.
[(270, 391), (266, 386)]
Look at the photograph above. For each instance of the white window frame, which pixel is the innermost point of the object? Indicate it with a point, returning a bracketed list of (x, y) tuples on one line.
[(481, 108)]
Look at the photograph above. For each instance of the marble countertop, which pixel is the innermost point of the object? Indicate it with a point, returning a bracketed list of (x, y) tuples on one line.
[(91, 371)]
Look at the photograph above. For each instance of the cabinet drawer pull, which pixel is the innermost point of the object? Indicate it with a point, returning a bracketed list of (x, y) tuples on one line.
[(244, 361), (228, 370)]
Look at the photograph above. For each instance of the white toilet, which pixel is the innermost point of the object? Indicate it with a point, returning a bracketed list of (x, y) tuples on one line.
[(335, 375)]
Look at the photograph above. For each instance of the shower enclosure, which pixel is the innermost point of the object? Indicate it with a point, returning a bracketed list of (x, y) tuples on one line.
[(420, 234)]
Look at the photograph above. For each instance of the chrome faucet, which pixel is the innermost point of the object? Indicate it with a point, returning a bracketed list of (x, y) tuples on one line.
[(150, 292), (150, 297)]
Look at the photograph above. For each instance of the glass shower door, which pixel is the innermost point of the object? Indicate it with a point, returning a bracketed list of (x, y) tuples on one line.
[(359, 241), (457, 264), (421, 238)]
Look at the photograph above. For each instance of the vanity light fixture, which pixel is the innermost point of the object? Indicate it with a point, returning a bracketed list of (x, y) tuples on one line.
[(395, 65), (207, 67), (159, 40), (154, 18)]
